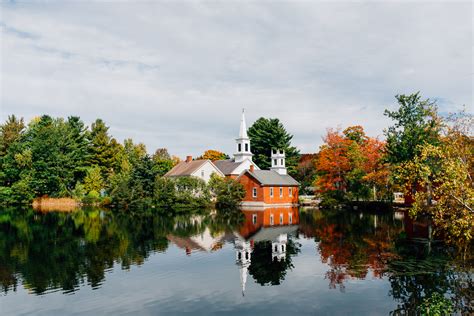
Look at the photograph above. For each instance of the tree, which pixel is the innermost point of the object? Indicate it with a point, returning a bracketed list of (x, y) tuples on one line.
[(350, 166), (416, 123), (213, 155), (103, 148), (267, 134), (163, 162), (93, 180), (445, 171), (229, 193), (10, 131), (161, 154)]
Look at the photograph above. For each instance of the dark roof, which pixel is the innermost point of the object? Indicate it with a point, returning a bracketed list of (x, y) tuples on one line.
[(185, 168), (272, 233), (226, 166), (270, 177)]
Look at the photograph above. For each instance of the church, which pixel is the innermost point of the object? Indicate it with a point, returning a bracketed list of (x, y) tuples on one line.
[(272, 187)]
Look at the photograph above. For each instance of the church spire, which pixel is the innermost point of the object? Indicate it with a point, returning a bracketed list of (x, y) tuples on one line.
[(243, 142), (243, 126)]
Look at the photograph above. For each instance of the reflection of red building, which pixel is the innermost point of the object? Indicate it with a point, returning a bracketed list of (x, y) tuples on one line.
[(258, 218)]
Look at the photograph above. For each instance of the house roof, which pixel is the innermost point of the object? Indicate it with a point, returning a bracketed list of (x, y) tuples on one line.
[(272, 233), (226, 166), (186, 168), (270, 177)]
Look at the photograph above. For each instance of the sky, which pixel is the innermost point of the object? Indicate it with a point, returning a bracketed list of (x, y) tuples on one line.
[(177, 74)]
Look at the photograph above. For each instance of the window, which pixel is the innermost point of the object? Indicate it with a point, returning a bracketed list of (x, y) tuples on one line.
[(254, 219), (281, 192), (271, 219), (246, 255), (290, 218), (240, 148), (282, 162), (246, 147), (275, 162), (271, 192), (281, 219), (290, 191), (202, 173), (254, 192), (274, 152), (276, 248)]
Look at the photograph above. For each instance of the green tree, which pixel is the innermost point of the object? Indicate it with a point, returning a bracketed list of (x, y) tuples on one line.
[(228, 192), (415, 123), (10, 131), (93, 180), (104, 149), (267, 134)]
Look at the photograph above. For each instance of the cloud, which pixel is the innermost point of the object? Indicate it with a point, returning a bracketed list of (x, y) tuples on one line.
[(177, 74)]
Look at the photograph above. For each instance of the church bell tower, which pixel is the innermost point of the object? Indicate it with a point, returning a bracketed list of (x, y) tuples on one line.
[(243, 142)]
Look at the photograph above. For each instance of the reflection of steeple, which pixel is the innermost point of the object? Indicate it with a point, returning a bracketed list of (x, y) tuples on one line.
[(279, 247), (243, 252)]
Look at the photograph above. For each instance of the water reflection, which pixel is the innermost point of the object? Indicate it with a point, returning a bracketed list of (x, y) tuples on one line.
[(69, 251)]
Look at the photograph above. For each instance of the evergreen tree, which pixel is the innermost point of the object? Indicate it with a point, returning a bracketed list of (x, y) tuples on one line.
[(267, 134), (103, 149), (10, 131)]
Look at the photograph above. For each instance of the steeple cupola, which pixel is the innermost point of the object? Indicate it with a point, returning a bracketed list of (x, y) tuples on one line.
[(278, 161), (243, 142)]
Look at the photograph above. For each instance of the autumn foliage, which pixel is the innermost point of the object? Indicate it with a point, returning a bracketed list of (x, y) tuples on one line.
[(350, 165)]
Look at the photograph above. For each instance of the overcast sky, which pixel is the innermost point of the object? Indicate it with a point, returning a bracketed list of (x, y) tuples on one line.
[(177, 74)]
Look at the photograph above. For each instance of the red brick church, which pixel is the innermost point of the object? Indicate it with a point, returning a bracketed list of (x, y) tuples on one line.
[(272, 187)]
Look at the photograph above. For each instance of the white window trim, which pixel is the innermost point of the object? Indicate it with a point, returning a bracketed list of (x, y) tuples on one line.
[(290, 191), (271, 192), (281, 192), (271, 219), (281, 219), (254, 219), (254, 192)]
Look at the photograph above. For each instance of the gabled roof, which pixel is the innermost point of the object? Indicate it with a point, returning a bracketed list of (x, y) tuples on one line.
[(270, 177), (230, 166), (186, 168), (226, 166)]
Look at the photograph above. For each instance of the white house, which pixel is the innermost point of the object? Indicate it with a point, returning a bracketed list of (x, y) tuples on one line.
[(202, 169)]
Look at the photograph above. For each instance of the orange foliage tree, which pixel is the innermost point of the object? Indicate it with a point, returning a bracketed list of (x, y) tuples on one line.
[(350, 166), (213, 155)]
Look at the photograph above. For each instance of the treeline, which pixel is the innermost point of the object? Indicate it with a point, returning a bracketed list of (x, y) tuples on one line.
[(428, 157), (63, 158)]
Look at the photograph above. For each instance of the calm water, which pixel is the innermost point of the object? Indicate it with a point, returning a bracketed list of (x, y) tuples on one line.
[(277, 261)]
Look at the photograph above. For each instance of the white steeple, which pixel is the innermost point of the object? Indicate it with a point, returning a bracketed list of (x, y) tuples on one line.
[(243, 142), (243, 252), (278, 161)]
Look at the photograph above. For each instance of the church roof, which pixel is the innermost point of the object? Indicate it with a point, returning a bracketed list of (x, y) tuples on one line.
[(226, 166), (270, 177), (186, 168)]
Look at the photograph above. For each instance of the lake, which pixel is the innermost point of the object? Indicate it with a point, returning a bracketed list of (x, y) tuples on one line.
[(272, 261)]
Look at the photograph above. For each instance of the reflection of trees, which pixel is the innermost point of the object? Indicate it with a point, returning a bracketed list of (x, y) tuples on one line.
[(349, 243), (421, 271), (265, 269), (65, 250), (352, 244)]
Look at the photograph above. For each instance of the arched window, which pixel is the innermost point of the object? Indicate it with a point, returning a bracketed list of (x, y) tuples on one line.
[(239, 255), (246, 147), (240, 148), (246, 255)]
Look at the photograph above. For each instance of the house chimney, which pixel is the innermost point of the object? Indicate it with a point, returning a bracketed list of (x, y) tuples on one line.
[(189, 158), (251, 168)]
